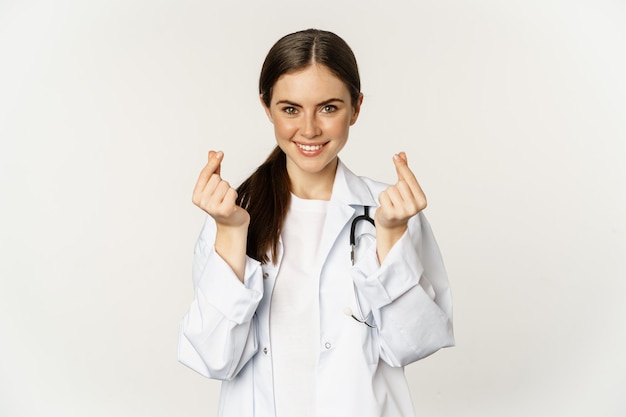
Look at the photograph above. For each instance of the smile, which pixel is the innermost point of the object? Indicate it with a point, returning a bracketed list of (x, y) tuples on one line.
[(310, 148)]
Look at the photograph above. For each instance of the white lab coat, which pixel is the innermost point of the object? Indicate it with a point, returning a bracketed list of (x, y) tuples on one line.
[(360, 373)]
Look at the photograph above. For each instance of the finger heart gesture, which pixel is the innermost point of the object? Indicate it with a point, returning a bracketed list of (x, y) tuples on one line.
[(401, 201), (215, 196)]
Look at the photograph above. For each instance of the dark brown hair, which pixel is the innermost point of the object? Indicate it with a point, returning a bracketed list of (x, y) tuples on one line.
[(266, 193)]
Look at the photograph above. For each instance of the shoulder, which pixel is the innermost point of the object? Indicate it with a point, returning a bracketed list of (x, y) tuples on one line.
[(375, 186), (357, 189)]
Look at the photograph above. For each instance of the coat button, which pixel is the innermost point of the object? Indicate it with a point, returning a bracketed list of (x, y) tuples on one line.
[(265, 350), (265, 275), (327, 345)]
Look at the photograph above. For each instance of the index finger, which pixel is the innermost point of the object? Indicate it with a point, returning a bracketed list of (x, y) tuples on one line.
[(405, 174), (212, 167), (216, 156)]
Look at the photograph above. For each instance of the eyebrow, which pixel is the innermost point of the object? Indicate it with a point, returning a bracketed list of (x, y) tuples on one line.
[(323, 103)]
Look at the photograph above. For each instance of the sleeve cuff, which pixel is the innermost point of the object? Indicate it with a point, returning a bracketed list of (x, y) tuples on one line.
[(400, 271), (222, 289)]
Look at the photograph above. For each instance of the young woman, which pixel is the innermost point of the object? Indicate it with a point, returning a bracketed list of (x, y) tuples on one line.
[(298, 309)]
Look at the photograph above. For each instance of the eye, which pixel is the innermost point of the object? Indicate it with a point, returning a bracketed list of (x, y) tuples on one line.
[(290, 110), (329, 108)]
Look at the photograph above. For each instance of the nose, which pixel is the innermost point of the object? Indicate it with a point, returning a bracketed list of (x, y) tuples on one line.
[(310, 127)]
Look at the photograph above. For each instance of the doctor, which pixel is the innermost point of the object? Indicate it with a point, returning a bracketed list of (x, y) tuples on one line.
[(281, 314)]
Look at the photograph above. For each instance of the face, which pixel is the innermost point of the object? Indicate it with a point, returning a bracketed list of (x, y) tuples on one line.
[(312, 113)]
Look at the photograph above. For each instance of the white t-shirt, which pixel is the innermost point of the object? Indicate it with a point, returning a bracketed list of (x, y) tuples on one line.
[(294, 310)]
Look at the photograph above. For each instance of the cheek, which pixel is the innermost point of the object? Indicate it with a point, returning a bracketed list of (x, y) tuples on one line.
[(284, 128), (339, 126)]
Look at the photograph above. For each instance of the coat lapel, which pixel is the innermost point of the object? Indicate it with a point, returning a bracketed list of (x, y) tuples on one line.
[(349, 193)]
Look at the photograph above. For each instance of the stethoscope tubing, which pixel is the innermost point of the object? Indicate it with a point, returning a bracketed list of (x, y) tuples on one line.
[(365, 216)]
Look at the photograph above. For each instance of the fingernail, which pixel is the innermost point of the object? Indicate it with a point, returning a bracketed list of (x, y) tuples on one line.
[(219, 154), (396, 157)]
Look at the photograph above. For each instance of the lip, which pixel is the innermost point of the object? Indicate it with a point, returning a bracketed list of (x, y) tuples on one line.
[(314, 149)]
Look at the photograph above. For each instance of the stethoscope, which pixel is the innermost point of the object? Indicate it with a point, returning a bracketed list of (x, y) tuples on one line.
[(365, 216)]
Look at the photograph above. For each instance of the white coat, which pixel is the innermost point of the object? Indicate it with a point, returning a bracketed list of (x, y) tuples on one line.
[(360, 371)]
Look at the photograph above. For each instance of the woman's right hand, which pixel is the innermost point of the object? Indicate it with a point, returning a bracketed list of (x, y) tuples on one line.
[(215, 196)]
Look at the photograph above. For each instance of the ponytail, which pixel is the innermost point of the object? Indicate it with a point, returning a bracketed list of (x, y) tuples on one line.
[(266, 195)]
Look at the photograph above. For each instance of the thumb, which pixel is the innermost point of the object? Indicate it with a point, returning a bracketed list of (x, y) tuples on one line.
[(217, 156), (401, 164)]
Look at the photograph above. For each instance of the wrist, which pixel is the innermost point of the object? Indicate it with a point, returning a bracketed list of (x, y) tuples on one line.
[(386, 238), (230, 244), (232, 233), (390, 234)]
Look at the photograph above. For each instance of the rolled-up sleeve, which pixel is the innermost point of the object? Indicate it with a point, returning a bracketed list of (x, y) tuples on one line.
[(218, 334), (409, 296)]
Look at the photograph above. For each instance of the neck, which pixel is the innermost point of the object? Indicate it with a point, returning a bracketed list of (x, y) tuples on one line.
[(314, 186)]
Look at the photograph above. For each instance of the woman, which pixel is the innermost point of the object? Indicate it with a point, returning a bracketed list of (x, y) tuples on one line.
[(283, 314)]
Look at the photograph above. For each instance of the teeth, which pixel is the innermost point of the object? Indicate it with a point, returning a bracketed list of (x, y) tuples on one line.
[(309, 147)]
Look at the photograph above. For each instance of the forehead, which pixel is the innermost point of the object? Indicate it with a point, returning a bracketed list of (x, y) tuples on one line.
[(314, 83)]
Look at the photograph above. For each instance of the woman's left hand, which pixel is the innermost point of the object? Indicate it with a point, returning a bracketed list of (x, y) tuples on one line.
[(398, 204)]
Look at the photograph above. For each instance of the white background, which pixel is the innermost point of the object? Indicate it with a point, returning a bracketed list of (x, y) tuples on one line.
[(512, 113)]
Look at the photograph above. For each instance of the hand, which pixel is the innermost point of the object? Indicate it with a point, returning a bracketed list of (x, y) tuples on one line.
[(401, 201), (215, 196)]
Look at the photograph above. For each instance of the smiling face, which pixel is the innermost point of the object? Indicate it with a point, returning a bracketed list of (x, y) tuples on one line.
[(312, 112)]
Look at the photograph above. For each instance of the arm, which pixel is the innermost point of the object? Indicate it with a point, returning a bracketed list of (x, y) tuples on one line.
[(217, 336), (398, 204), (405, 282), (409, 296), (216, 197)]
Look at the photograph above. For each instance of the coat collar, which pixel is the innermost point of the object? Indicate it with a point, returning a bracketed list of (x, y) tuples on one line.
[(350, 189), (350, 192)]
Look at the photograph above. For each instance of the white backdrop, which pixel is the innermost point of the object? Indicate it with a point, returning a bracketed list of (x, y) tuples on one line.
[(512, 114)]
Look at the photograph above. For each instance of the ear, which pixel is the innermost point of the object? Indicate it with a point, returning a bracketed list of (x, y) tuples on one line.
[(268, 112), (356, 110)]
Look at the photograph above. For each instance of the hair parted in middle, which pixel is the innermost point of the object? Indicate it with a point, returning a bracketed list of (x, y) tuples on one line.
[(266, 193)]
